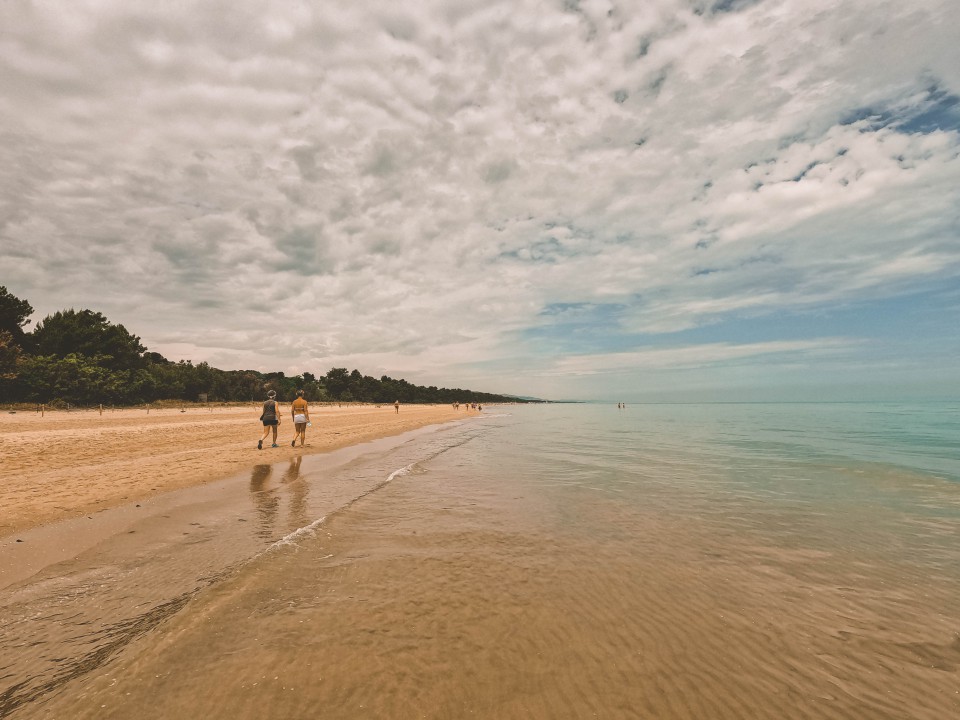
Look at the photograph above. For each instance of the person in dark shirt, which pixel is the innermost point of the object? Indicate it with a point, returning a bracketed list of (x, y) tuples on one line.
[(270, 418)]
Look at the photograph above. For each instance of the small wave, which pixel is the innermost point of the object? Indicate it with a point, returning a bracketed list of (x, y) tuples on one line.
[(398, 473), (291, 538)]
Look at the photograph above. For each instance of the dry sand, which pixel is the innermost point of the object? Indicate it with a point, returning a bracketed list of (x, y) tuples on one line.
[(69, 464)]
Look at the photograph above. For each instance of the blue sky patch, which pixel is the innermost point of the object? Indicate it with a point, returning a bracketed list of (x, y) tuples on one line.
[(596, 328), (939, 110)]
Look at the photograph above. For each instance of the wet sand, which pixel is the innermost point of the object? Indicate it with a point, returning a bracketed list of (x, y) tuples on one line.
[(439, 597), (71, 464)]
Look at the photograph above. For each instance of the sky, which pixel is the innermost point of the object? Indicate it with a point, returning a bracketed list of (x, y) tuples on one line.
[(615, 200)]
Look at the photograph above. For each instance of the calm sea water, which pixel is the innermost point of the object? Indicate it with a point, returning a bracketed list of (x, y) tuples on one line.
[(668, 561)]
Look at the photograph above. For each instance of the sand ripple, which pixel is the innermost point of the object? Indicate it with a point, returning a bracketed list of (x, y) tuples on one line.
[(437, 598)]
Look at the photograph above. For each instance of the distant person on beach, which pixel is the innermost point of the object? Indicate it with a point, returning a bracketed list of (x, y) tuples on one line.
[(396, 406), (270, 418), (301, 416)]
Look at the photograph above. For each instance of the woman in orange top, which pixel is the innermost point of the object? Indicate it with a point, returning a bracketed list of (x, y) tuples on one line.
[(301, 416)]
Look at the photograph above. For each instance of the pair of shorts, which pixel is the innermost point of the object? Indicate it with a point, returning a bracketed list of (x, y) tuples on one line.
[(300, 419), (268, 423)]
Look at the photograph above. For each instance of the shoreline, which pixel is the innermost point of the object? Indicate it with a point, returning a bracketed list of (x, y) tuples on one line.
[(70, 464), (55, 551)]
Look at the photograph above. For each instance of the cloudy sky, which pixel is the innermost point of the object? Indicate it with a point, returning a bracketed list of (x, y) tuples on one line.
[(607, 199)]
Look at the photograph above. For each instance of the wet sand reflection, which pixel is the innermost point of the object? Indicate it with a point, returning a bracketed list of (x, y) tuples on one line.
[(264, 501), (298, 493)]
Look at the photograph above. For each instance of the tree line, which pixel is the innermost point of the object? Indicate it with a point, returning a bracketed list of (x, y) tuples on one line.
[(79, 357)]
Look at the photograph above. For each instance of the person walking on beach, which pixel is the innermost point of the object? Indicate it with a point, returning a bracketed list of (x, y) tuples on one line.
[(396, 406), (301, 416), (270, 418)]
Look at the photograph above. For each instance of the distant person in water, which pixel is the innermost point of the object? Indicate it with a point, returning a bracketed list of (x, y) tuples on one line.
[(270, 418), (396, 406), (301, 416)]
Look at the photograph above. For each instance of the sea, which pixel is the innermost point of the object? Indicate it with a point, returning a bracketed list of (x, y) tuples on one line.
[(705, 561)]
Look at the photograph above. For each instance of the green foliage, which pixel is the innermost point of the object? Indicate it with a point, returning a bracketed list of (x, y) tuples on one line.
[(337, 382), (14, 314), (88, 333), (80, 357), (81, 380), (9, 352)]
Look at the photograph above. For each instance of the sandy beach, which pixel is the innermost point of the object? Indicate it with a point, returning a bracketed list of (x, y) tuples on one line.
[(69, 464), (554, 561)]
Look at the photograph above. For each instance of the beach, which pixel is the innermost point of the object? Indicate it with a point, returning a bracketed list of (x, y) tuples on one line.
[(670, 562), (64, 464)]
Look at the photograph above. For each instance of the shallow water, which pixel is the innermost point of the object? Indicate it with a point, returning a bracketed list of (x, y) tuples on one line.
[(723, 561)]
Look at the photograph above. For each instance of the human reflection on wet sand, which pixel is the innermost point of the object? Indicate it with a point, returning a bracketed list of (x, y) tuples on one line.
[(298, 493), (264, 501)]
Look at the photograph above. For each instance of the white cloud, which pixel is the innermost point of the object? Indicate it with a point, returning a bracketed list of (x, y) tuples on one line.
[(694, 356), (321, 183)]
